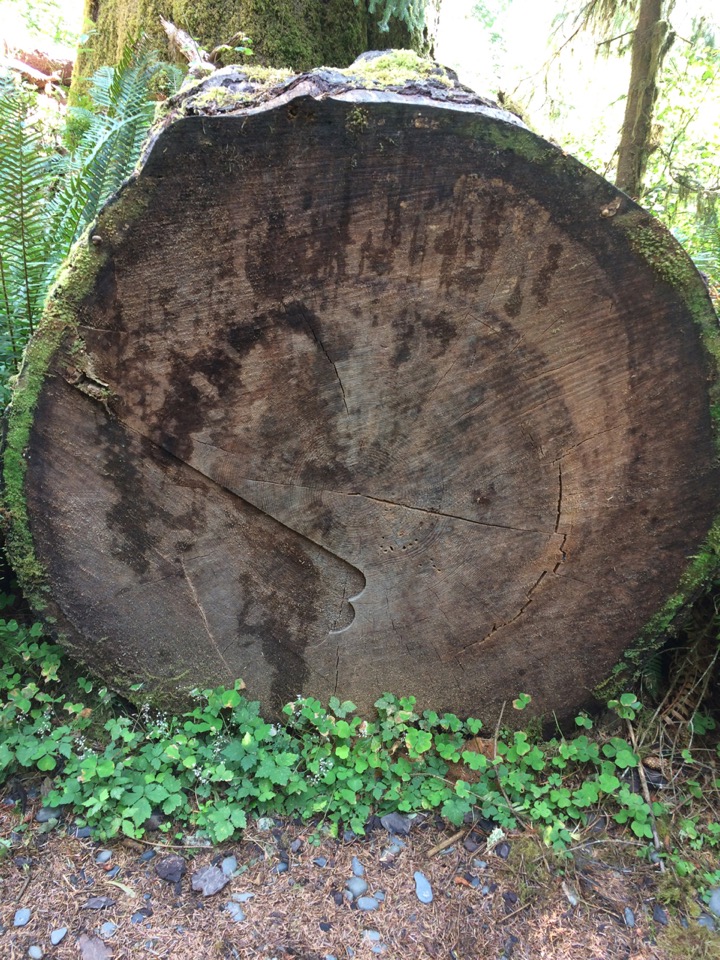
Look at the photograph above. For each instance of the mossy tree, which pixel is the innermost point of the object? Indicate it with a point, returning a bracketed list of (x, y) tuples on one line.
[(298, 34)]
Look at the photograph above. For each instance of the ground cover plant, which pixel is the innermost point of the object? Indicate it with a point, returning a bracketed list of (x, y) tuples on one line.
[(216, 768)]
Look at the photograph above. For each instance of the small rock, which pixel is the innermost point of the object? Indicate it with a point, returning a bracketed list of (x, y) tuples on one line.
[(148, 855), (296, 845), (209, 880), (629, 917), (705, 920), (45, 814), (396, 823), (92, 948), (140, 915), (320, 862), (373, 935), (503, 850), (22, 862), (357, 886), (367, 903), (35, 952), (280, 867), (480, 864), (325, 927), (104, 856), (108, 929), (98, 903), (229, 866), (22, 917), (470, 845), (380, 896), (111, 874), (171, 868), (337, 897), (378, 948), (357, 868), (57, 936), (155, 821), (660, 915), (81, 833), (349, 836), (714, 904), (423, 890), (237, 914), (241, 897)]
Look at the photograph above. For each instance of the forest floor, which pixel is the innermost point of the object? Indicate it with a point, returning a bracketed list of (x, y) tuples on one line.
[(519, 901)]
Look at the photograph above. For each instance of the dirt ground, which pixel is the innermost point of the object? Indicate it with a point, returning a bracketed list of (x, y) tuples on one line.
[(519, 902)]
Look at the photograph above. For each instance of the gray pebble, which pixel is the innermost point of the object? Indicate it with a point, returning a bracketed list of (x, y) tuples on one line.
[(660, 915), (280, 867), (378, 948), (35, 952), (380, 895), (241, 897), (296, 845), (396, 823), (229, 866), (57, 936), (503, 850), (485, 890), (357, 868), (367, 903), (103, 856), (45, 814), (714, 905), (371, 935), (148, 855), (111, 874), (480, 864), (629, 917), (22, 917), (357, 886), (236, 911), (320, 862), (348, 836), (209, 880), (81, 833), (423, 890), (705, 920), (108, 929)]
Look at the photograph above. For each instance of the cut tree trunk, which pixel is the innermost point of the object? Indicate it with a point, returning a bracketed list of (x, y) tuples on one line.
[(359, 386)]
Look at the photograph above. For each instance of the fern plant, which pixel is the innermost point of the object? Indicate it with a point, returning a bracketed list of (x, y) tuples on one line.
[(47, 201)]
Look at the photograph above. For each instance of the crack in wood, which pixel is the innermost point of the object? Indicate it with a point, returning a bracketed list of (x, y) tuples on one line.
[(368, 496), (196, 600), (506, 623), (303, 313), (560, 497)]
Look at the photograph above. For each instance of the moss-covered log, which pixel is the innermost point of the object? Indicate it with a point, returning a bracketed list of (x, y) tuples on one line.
[(360, 385), (297, 34)]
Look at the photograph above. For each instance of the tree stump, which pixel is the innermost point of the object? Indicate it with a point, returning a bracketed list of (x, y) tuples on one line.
[(359, 385)]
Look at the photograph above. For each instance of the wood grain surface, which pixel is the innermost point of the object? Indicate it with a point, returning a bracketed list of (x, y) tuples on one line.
[(370, 399)]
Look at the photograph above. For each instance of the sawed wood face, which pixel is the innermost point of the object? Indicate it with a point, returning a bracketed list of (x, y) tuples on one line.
[(385, 406)]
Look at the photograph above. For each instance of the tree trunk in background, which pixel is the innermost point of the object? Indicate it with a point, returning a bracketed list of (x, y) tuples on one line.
[(359, 385), (298, 34), (650, 45)]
